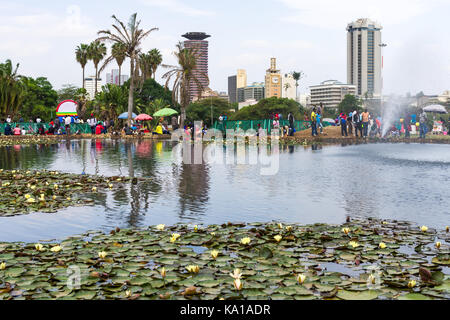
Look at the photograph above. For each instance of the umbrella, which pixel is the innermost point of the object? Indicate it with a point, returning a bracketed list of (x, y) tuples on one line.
[(143, 117), (125, 115), (436, 108), (165, 112)]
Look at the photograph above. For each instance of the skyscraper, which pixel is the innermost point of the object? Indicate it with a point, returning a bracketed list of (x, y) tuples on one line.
[(273, 80), (232, 89), (364, 61), (241, 79), (89, 84), (113, 77), (197, 42)]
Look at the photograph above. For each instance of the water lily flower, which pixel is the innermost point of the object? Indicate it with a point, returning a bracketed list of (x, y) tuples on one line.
[(213, 234), (128, 293), (237, 284), (163, 272), (346, 230), (245, 240), (447, 228), (42, 197), (39, 247), (278, 238), (174, 237), (27, 196), (193, 269), (301, 278), (54, 197), (28, 185), (31, 200), (236, 274), (56, 249), (55, 186), (94, 189), (371, 279), (438, 244), (5, 184), (2, 266), (195, 228), (412, 284), (288, 228), (160, 227), (102, 254), (110, 185), (214, 253), (68, 198), (424, 228), (46, 183), (354, 244), (382, 245)]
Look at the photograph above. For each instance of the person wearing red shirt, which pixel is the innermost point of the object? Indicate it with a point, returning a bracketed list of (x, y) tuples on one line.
[(99, 128), (17, 131)]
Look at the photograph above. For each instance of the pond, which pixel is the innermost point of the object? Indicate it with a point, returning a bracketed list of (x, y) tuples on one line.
[(313, 184)]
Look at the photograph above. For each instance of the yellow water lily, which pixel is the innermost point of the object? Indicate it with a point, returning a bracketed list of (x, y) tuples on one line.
[(245, 240), (27, 196), (2, 266), (371, 279), (55, 186), (301, 278), (54, 197), (237, 284), (102, 254), (424, 228), (68, 198), (174, 237), (236, 274), (382, 245), (6, 184), (110, 185), (33, 187), (195, 228), (412, 284), (354, 244), (31, 200), (39, 247), (213, 234), (163, 272), (278, 238), (94, 189), (346, 230), (128, 293), (288, 228), (56, 249), (160, 227), (42, 198), (214, 254), (438, 244), (193, 269)]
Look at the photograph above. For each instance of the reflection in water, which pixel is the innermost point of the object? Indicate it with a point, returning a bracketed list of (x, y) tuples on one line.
[(400, 181)]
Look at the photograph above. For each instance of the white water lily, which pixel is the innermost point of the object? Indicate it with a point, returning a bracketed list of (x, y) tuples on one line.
[(301, 278), (214, 253), (424, 228), (102, 254), (39, 247), (56, 249), (236, 274), (2, 266), (237, 284), (160, 227)]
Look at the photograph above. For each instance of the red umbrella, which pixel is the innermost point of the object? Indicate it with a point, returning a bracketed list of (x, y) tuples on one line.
[(143, 117)]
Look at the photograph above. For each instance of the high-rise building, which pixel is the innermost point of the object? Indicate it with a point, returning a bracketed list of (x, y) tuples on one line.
[(197, 42), (232, 89), (113, 77), (330, 93), (288, 87), (241, 78), (364, 60), (89, 85), (255, 91), (273, 80)]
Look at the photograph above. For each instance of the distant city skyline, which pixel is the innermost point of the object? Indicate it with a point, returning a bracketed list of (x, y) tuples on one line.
[(42, 37)]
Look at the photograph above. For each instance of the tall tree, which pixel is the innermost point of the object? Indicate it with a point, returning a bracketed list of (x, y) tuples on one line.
[(96, 53), (118, 53), (12, 90), (131, 36), (82, 56), (297, 77), (155, 60), (183, 76)]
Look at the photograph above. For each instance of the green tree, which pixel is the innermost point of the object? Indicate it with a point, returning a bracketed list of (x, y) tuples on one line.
[(82, 56), (40, 99), (201, 110), (12, 90), (131, 36), (155, 60), (96, 53), (297, 77), (349, 104), (68, 91), (112, 101), (184, 77), (267, 107), (152, 90)]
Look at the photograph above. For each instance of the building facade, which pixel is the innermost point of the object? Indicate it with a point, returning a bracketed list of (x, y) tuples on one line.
[(232, 89), (253, 92), (196, 41), (241, 78), (288, 87), (113, 77), (364, 59), (330, 93), (89, 84), (273, 80)]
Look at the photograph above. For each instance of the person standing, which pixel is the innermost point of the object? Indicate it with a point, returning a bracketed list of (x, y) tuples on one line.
[(407, 124), (357, 123), (319, 122), (67, 122), (92, 121), (350, 124), (365, 122), (343, 122), (313, 122), (8, 119), (423, 124), (291, 123)]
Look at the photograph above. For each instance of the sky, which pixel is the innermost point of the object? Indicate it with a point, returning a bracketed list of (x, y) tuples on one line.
[(304, 35)]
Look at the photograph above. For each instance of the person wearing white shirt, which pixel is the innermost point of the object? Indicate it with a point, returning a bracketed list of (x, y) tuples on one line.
[(67, 121), (38, 120), (8, 119)]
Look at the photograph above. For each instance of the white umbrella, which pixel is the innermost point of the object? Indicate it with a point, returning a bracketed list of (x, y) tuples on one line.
[(436, 108)]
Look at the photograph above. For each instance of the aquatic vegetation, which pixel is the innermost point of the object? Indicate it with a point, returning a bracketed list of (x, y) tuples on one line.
[(311, 262), (23, 192)]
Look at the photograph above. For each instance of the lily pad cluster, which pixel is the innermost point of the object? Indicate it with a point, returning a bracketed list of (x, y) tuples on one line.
[(23, 192), (361, 259), (30, 140)]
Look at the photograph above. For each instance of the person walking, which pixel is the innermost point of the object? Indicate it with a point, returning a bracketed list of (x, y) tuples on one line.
[(313, 122), (423, 124), (343, 122), (365, 122)]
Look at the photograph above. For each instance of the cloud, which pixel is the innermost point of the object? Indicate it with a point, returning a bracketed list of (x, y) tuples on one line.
[(329, 14), (177, 6)]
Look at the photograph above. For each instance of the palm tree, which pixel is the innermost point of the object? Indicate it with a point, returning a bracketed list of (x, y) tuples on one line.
[(12, 89), (155, 60), (184, 77), (145, 67), (81, 54), (131, 37), (297, 76), (118, 53), (96, 53)]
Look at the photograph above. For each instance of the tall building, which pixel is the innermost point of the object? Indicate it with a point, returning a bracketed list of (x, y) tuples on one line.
[(364, 60), (89, 84), (330, 93), (255, 91), (241, 78), (197, 42), (113, 77), (232, 89), (288, 89), (273, 80)]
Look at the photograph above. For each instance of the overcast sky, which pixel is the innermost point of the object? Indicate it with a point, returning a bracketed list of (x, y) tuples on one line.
[(307, 35)]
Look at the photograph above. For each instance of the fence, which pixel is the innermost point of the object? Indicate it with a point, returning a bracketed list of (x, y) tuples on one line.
[(265, 124), (32, 128)]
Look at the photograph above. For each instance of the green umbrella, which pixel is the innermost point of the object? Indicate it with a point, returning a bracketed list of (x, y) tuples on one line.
[(165, 112)]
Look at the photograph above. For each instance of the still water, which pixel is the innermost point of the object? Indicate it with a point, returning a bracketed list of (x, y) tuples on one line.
[(319, 184)]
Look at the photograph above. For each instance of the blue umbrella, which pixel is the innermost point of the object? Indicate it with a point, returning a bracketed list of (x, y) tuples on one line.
[(125, 115)]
